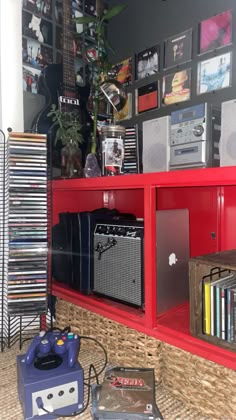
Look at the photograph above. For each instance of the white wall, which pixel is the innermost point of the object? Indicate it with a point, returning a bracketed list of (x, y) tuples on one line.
[(11, 87)]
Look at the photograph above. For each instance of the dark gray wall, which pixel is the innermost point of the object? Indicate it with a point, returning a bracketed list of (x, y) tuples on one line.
[(145, 23)]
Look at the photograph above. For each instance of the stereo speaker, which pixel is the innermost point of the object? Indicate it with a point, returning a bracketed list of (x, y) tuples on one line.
[(156, 148), (228, 134)]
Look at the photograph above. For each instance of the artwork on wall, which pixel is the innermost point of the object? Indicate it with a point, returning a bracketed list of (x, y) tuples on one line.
[(36, 54), (147, 62), (126, 112), (215, 32), (39, 7), (176, 87), (178, 49), (31, 79), (214, 73), (147, 97), (122, 71)]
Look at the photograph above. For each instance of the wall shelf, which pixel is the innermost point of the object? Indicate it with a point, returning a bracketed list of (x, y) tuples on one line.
[(212, 206)]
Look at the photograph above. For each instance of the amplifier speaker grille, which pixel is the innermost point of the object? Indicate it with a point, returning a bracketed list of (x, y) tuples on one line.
[(118, 274)]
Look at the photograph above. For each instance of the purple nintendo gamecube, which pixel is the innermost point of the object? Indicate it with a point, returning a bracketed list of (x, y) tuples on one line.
[(49, 377)]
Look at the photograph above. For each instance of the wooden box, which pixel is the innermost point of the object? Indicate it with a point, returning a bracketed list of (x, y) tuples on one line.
[(198, 268)]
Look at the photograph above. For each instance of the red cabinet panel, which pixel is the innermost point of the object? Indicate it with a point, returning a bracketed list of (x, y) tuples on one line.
[(204, 213), (228, 218)]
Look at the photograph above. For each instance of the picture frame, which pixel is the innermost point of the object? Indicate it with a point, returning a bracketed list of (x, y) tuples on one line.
[(178, 49), (176, 87), (122, 71), (147, 97), (147, 62), (214, 73), (215, 32)]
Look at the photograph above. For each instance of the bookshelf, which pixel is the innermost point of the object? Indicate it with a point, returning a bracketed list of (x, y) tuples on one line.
[(210, 196)]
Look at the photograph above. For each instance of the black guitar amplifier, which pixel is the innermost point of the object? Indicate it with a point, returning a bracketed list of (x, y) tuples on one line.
[(118, 261)]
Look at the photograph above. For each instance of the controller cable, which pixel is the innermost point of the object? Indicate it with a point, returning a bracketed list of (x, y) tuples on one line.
[(88, 379)]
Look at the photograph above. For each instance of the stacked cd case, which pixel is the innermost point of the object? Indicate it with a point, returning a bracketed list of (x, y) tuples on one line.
[(131, 150), (27, 224), (3, 238)]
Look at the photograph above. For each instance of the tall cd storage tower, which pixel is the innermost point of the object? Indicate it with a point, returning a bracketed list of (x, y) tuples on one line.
[(24, 236), (4, 203)]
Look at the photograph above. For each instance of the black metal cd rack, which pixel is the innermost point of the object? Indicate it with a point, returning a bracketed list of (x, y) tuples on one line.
[(23, 234)]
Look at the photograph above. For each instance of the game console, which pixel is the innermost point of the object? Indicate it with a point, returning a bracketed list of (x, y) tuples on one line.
[(59, 343), (49, 377)]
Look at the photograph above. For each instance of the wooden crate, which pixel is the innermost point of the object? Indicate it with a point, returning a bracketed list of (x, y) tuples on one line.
[(198, 268)]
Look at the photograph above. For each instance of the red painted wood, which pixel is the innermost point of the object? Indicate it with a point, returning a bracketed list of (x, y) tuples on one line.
[(203, 206), (191, 177), (213, 208), (228, 218)]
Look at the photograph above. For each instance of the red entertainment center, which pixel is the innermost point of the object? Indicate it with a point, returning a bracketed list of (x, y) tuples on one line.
[(210, 196)]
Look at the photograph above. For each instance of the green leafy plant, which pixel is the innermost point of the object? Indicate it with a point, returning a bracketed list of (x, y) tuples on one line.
[(68, 127), (97, 56)]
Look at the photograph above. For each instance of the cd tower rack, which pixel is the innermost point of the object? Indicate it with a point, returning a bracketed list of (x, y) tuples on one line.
[(24, 209)]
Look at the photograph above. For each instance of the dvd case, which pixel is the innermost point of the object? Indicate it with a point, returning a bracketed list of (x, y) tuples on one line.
[(126, 393)]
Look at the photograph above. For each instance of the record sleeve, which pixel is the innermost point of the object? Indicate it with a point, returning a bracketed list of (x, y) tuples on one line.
[(147, 97), (126, 393), (176, 87), (214, 73), (215, 32), (178, 49), (147, 62)]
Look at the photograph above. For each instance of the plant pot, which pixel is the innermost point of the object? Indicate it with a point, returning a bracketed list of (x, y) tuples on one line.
[(71, 162)]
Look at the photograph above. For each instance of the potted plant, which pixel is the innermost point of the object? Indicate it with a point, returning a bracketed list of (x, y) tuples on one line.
[(98, 62), (68, 132)]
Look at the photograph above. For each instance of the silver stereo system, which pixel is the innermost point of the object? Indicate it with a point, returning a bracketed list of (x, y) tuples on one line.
[(194, 137), (228, 134)]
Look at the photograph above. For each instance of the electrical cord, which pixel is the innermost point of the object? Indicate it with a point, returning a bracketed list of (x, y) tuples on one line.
[(96, 374)]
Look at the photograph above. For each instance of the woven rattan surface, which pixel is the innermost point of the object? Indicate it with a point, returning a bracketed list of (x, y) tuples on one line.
[(10, 408)]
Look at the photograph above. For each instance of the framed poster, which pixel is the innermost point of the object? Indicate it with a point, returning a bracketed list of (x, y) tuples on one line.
[(215, 32), (147, 97), (147, 62), (178, 49), (214, 73), (39, 7), (122, 71), (31, 79), (176, 87)]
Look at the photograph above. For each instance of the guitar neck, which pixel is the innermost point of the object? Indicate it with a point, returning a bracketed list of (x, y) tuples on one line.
[(67, 49)]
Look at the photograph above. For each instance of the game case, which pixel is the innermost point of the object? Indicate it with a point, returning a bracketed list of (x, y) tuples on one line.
[(126, 393)]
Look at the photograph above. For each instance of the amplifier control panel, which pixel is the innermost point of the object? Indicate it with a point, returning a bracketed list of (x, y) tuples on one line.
[(122, 230)]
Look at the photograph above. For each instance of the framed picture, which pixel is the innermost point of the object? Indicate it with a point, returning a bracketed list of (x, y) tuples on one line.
[(215, 32), (126, 112), (147, 97), (178, 49), (122, 71), (31, 79), (147, 62), (36, 54), (214, 73), (176, 87), (39, 7)]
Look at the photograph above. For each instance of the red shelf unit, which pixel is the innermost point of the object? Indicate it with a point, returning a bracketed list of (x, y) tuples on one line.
[(214, 192)]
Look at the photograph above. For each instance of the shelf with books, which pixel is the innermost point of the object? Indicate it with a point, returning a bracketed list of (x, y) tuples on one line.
[(143, 194)]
